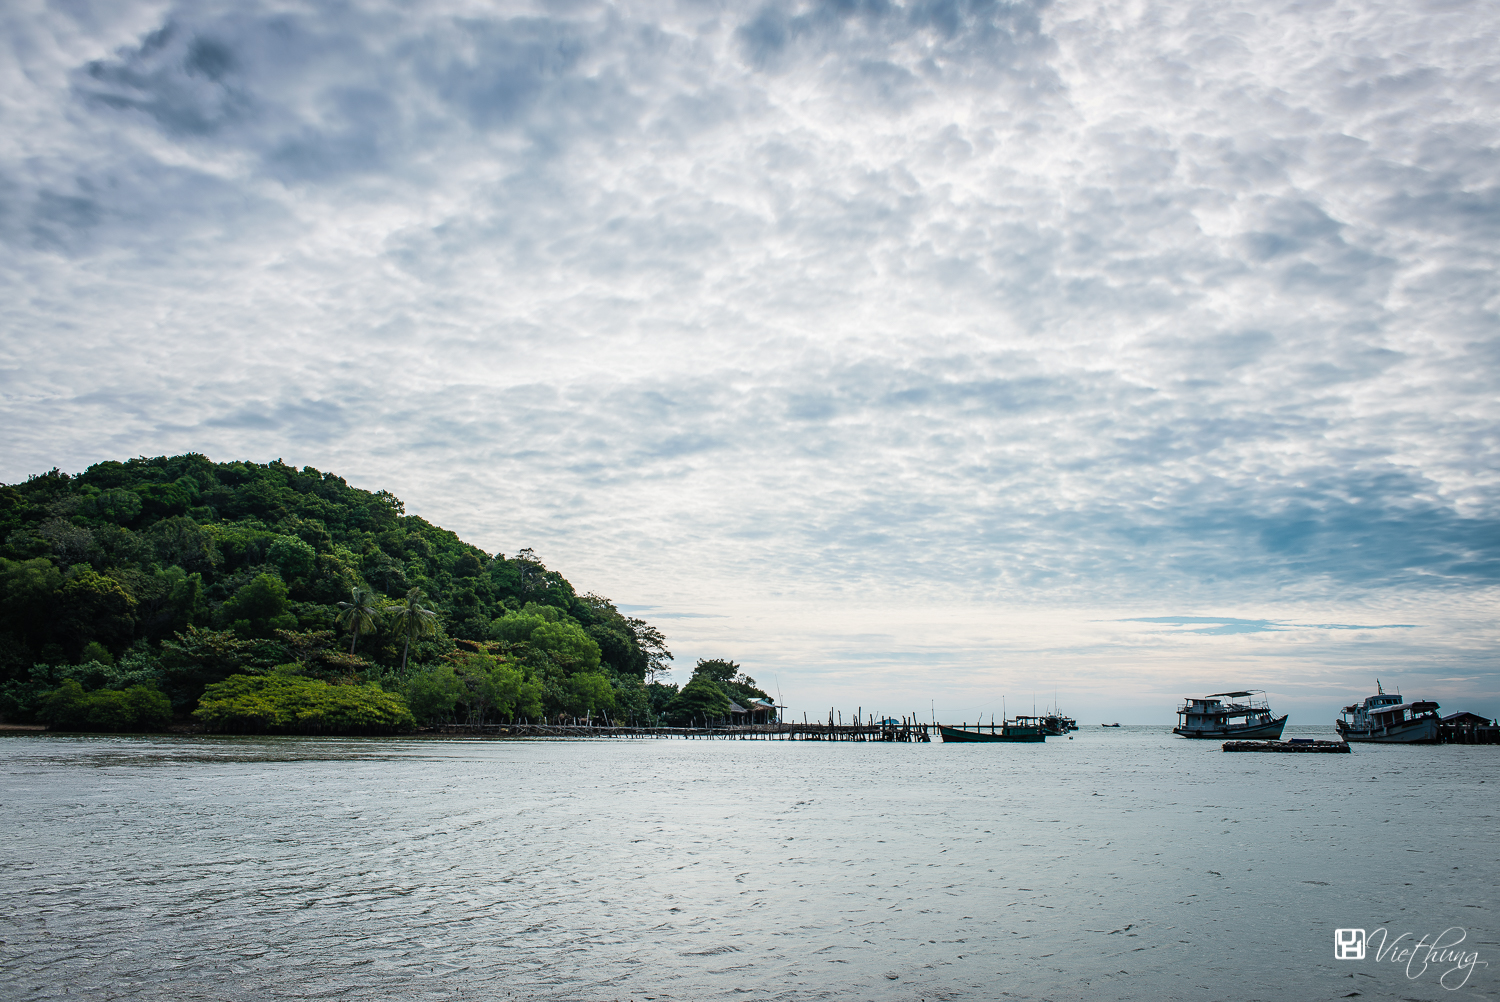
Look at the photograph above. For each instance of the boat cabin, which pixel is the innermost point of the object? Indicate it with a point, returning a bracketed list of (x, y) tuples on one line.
[(1389, 716), (1373, 704), (1212, 711), (1387, 710)]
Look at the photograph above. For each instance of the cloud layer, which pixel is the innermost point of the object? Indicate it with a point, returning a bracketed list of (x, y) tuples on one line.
[(1043, 305)]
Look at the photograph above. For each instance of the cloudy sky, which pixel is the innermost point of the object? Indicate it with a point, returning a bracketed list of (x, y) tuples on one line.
[(912, 354)]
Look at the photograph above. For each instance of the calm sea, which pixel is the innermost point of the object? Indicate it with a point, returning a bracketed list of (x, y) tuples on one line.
[(1123, 864)]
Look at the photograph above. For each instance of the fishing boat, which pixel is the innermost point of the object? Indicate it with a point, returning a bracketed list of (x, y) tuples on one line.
[(1246, 715), (1051, 724), (1385, 719), (1109, 725), (1004, 731)]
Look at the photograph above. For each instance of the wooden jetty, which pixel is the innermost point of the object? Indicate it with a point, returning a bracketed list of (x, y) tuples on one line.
[(1294, 745), (904, 731), (1468, 729)]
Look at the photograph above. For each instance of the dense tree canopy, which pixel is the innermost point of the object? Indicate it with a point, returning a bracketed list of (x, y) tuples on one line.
[(707, 695), (177, 573)]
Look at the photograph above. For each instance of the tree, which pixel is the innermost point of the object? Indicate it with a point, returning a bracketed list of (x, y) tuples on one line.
[(358, 615), (491, 682), (700, 699), (411, 621), (292, 557), (28, 591), (733, 682), (91, 606), (138, 708), (432, 694), (589, 691), (654, 646), (259, 607)]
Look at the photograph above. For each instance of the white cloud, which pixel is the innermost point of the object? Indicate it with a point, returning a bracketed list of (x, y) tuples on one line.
[(1139, 310)]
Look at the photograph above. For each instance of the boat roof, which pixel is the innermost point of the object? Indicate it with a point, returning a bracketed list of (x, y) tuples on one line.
[(1420, 706), (1242, 692)]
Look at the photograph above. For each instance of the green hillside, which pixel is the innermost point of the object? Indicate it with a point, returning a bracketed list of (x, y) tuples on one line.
[(177, 573)]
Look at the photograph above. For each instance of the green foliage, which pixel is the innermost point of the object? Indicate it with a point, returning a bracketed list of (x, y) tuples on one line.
[(283, 703), (410, 620), (95, 651), (701, 699), (90, 606), (113, 506), (70, 708), (658, 696), (292, 557), (589, 693), (733, 682), (433, 695), (358, 615), (21, 699), (260, 607), (219, 569)]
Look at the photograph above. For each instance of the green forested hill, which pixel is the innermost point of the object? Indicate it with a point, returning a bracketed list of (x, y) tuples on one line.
[(176, 573)]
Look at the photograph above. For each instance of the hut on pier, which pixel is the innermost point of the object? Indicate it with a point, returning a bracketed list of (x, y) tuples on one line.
[(1468, 729), (760, 711)]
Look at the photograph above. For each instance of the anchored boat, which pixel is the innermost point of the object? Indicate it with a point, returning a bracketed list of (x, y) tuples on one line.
[(1005, 731), (1051, 724), (1246, 715), (1384, 718)]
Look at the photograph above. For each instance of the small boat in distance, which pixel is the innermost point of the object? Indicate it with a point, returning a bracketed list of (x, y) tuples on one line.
[(1004, 731), (1109, 725), (1385, 719), (1211, 717)]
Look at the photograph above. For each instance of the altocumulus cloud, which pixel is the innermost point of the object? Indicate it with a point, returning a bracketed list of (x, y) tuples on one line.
[(1019, 302)]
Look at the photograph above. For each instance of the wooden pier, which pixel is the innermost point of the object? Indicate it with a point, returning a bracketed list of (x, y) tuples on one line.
[(1468, 729), (906, 731)]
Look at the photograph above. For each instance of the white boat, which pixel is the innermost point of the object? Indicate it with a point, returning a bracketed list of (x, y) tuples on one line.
[(1385, 719), (1245, 716)]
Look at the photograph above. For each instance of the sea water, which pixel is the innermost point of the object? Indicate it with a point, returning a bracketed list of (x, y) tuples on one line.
[(1120, 864)]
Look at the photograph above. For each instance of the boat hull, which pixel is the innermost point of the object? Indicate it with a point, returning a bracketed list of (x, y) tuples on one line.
[(1413, 732), (1270, 731), (960, 735)]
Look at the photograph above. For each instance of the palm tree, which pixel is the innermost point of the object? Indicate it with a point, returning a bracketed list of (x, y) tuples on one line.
[(411, 621), (358, 615)]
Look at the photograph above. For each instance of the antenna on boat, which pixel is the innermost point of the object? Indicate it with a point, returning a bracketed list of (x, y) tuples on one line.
[(1378, 689)]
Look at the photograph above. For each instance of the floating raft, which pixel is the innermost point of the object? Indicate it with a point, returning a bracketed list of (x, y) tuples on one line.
[(1294, 745)]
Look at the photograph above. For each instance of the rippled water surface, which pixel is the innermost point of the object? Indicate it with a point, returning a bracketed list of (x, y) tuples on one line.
[(1120, 865)]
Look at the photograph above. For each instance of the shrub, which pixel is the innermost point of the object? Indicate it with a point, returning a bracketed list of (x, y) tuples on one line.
[(138, 708), (290, 704)]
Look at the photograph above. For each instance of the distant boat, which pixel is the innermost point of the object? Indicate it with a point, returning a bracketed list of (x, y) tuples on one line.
[(1109, 725), (1385, 719), (1211, 717), (995, 732)]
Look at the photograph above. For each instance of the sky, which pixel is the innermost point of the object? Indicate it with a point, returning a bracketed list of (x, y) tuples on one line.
[(937, 358)]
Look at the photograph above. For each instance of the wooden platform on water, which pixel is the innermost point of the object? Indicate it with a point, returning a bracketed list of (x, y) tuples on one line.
[(1467, 734), (905, 732), (1330, 747)]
